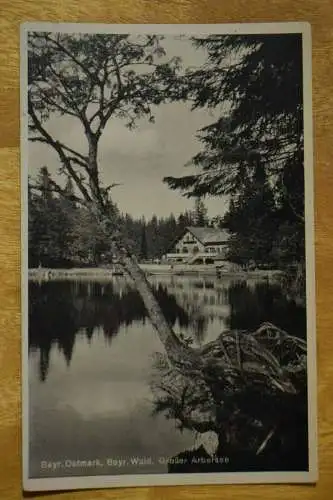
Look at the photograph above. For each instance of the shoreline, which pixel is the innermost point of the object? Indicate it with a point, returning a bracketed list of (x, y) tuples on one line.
[(49, 274)]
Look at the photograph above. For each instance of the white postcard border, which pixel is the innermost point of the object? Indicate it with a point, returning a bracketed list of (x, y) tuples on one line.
[(87, 482)]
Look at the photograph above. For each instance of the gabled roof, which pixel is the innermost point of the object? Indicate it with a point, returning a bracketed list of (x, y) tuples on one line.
[(208, 235)]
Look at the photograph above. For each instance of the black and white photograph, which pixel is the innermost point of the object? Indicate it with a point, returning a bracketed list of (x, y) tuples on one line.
[(168, 288)]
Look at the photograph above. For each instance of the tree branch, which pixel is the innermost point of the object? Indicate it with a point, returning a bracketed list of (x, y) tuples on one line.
[(72, 151), (68, 53), (57, 146), (120, 95), (80, 112), (69, 93), (59, 190), (79, 156), (111, 106), (52, 102)]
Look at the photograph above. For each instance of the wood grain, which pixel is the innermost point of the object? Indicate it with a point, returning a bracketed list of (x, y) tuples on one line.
[(13, 12)]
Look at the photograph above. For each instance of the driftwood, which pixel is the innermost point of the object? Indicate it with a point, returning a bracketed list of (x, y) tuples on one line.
[(241, 380), (268, 356)]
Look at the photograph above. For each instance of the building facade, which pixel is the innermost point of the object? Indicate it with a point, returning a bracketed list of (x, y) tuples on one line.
[(199, 245)]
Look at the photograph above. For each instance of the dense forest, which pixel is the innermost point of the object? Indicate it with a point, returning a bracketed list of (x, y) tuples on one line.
[(63, 233)]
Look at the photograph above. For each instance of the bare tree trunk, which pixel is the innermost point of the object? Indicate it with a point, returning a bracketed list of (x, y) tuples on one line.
[(93, 171), (176, 350)]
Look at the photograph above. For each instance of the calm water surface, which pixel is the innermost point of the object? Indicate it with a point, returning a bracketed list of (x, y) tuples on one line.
[(91, 349)]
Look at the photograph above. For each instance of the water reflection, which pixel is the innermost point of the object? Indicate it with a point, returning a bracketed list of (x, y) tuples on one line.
[(93, 353), (201, 309), (58, 311)]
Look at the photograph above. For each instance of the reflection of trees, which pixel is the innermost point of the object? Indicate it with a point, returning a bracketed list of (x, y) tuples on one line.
[(59, 310), (247, 389), (51, 321), (251, 394), (198, 320), (250, 306), (203, 302)]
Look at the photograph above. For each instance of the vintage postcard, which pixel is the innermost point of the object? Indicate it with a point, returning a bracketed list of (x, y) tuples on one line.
[(168, 288)]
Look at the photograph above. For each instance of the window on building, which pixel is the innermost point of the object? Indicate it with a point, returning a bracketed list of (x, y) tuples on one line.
[(185, 250), (195, 249)]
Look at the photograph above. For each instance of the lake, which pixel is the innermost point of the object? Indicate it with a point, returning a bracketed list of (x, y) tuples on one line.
[(91, 352)]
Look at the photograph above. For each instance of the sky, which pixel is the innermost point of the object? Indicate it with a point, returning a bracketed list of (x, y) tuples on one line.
[(138, 160)]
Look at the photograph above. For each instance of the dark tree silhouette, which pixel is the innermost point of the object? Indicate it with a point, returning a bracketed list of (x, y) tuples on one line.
[(256, 82), (200, 212)]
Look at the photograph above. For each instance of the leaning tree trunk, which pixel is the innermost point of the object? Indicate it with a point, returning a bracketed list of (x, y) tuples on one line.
[(178, 353), (175, 349)]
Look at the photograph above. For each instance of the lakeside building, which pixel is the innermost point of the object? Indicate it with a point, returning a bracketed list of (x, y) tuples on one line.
[(199, 245)]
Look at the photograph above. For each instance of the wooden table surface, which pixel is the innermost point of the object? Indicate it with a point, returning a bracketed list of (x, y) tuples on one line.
[(12, 12)]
